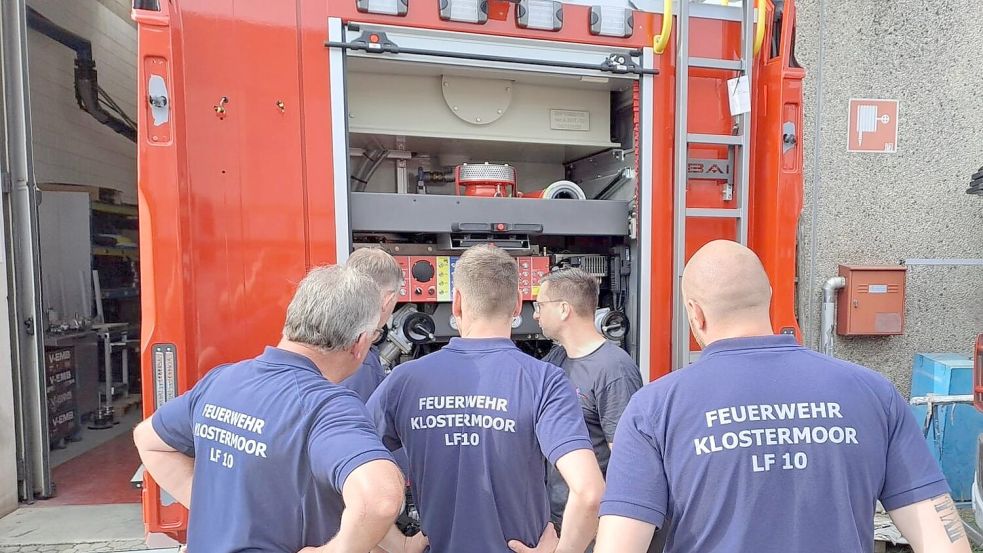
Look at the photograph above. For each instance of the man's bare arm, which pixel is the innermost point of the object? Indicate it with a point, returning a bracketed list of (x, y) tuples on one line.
[(172, 470), (580, 471), (932, 526), (373, 495), (582, 475), (617, 534)]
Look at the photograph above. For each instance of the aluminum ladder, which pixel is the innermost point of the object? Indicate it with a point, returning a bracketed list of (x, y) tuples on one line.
[(739, 153)]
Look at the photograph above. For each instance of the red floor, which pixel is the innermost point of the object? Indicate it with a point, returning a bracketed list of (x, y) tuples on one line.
[(98, 477)]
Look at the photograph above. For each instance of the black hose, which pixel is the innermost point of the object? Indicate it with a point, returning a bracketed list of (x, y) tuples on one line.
[(87, 91)]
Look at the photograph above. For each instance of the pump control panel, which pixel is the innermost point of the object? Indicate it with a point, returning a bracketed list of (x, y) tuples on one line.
[(429, 279)]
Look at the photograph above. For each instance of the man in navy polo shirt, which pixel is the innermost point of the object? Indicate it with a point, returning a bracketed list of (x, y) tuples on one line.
[(763, 445), (479, 420), (263, 451), (387, 274), (383, 269)]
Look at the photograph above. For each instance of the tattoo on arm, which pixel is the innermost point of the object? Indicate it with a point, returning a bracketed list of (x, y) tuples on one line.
[(946, 510)]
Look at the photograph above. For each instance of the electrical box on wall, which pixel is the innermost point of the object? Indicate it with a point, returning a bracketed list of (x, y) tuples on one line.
[(872, 304)]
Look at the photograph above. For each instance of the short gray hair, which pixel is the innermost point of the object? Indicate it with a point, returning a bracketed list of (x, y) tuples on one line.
[(332, 307), (379, 266), (489, 278), (576, 287)]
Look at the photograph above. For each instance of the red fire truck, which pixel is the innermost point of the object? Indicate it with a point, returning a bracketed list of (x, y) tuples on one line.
[(277, 136)]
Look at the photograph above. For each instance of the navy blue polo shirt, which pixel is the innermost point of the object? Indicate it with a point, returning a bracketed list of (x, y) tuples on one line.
[(368, 376), (763, 445), (273, 442), (479, 420), (364, 382)]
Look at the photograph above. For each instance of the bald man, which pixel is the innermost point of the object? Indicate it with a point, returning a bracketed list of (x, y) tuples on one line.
[(763, 445)]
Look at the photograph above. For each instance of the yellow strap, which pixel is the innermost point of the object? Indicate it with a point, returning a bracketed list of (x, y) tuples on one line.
[(759, 37), (660, 42)]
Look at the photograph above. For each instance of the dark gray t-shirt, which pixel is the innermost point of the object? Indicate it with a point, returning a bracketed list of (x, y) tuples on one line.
[(605, 380)]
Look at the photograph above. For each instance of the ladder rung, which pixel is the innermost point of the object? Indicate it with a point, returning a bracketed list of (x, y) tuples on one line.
[(708, 212), (712, 63), (724, 139), (711, 11)]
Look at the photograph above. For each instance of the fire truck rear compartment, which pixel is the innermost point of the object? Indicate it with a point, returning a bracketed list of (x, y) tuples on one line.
[(443, 157)]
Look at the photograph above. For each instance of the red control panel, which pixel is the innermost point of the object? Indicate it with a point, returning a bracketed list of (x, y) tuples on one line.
[(429, 279), (423, 279), (531, 273)]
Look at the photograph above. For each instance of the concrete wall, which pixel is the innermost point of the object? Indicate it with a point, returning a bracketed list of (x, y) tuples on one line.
[(881, 208), (70, 146)]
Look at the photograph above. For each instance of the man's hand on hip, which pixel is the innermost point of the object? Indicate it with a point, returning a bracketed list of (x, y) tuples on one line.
[(547, 542), (417, 543)]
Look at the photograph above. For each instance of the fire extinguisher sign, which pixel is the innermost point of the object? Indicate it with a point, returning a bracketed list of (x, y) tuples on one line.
[(873, 126)]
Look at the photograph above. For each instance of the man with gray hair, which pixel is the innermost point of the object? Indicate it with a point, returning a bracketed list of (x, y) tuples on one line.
[(268, 453), (383, 269), (479, 419), (604, 375), (387, 274)]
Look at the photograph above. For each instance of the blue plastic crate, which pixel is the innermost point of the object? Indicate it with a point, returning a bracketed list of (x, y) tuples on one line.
[(952, 432)]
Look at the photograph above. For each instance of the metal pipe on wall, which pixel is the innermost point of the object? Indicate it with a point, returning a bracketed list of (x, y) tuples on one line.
[(817, 174), (24, 276), (828, 319), (943, 262), (89, 95), (24, 478)]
